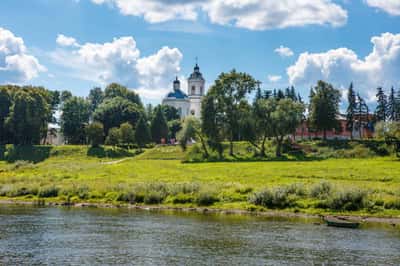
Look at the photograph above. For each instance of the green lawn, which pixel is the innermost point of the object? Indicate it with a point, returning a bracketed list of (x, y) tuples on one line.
[(159, 172)]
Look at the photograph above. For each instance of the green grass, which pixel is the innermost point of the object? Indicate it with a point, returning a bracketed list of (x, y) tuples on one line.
[(73, 173)]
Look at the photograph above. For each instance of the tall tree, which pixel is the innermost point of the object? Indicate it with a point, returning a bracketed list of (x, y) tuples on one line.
[(325, 107), (29, 115), (142, 133), (191, 129), (381, 108), (159, 126), (113, 137), (95, 98), (392, 106), (229, 90), (212, 123), (5, 104), (281, 118), (362, 115), (74, 118), (116, 90), (351, 110), (115, 111)]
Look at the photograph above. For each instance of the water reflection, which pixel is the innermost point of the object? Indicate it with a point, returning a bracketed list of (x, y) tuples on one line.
[(58, 236)]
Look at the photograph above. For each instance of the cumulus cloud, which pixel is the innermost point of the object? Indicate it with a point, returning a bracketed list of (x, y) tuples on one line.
[(274, 78), (342, 66), (121, 61), (389, 6), (66, 41), (284, 51), (248, 14), (16, 64)]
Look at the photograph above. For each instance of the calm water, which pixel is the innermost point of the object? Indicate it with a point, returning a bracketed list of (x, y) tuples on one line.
[(57, 236)]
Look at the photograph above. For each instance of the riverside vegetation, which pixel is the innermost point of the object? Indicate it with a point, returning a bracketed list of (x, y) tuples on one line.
[(315, 177)]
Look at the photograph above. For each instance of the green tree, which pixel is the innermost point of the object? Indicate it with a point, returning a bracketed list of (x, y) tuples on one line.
[(113, 137), (324, 107), (29, 115), (116, 90), (361, 115), (65, 95), (95, 98), (142, 133), (191, 129), (389, 131), (75, 114), (5, 105), (351, 110), (170, 112), (115, 111), (174, 126), (127, 134), (392, 106), (229, 90), (95, 133), (381, 108), (212, 123), (159, 126)]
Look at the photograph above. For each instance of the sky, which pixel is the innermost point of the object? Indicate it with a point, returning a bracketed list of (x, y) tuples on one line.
[(143, 44)]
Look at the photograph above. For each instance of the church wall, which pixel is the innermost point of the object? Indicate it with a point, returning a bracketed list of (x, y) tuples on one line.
[(182, 105)]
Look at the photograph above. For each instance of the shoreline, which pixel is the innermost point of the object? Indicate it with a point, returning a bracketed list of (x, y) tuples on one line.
[(394, 221)]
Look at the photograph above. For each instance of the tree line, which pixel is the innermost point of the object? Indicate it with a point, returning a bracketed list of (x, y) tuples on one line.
[(235, 108)]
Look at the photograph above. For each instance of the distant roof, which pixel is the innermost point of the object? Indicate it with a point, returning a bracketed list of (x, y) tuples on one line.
[(178, 94)]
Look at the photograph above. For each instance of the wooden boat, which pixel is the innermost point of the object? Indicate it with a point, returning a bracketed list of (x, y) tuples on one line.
[(341, 222)]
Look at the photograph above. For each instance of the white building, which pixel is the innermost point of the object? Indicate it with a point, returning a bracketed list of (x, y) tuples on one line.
[(190, 103)]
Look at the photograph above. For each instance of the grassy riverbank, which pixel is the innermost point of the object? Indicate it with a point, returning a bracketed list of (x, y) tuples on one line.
[(360, 186)]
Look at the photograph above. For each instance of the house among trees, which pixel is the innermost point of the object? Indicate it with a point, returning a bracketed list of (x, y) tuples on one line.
[(190, 103), (362, 128)]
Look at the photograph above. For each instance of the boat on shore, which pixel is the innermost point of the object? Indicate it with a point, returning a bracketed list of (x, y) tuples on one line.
[(341, 222)]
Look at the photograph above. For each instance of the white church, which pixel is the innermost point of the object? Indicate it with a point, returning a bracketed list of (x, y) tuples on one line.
[(190, 103)]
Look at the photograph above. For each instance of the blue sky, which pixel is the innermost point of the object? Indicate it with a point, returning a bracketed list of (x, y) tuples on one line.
[(143, 44)]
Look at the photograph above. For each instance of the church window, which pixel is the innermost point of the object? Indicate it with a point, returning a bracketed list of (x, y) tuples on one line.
[(201, 90), (192, 112), (193, 89)]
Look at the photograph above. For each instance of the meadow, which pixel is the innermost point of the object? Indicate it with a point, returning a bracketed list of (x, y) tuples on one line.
[(368, 185)]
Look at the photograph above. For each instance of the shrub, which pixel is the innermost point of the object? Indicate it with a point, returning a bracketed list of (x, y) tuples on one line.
[(350, 200), (277, 198), (48, 192), (17, 191), (321, 190), (206, 198), (182, 199), (154, 197), (297, 189), (126, 197), (393, 204)]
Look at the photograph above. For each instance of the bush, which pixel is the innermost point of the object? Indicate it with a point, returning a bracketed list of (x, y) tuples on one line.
[(16, 191), (393, 204), (297, 189), (154, 197), (48, 192), (206, 198), (277, 198), (350, 200), (182, 199), (321, 190), (126, 197)]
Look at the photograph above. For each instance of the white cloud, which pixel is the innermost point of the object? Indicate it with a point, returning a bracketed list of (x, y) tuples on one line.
[(16, 64), (248, 14), (274, 78), (284, 51), (66, 41), (120, 61), (342, 66), (390, 6)]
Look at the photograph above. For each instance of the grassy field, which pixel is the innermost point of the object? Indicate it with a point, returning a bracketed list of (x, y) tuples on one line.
[(77, 174)]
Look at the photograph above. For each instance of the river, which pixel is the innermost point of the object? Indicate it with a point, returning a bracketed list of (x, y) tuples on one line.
[(73, 236)]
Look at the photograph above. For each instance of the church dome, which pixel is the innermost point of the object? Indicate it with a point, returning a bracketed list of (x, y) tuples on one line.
[(196, 73)]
